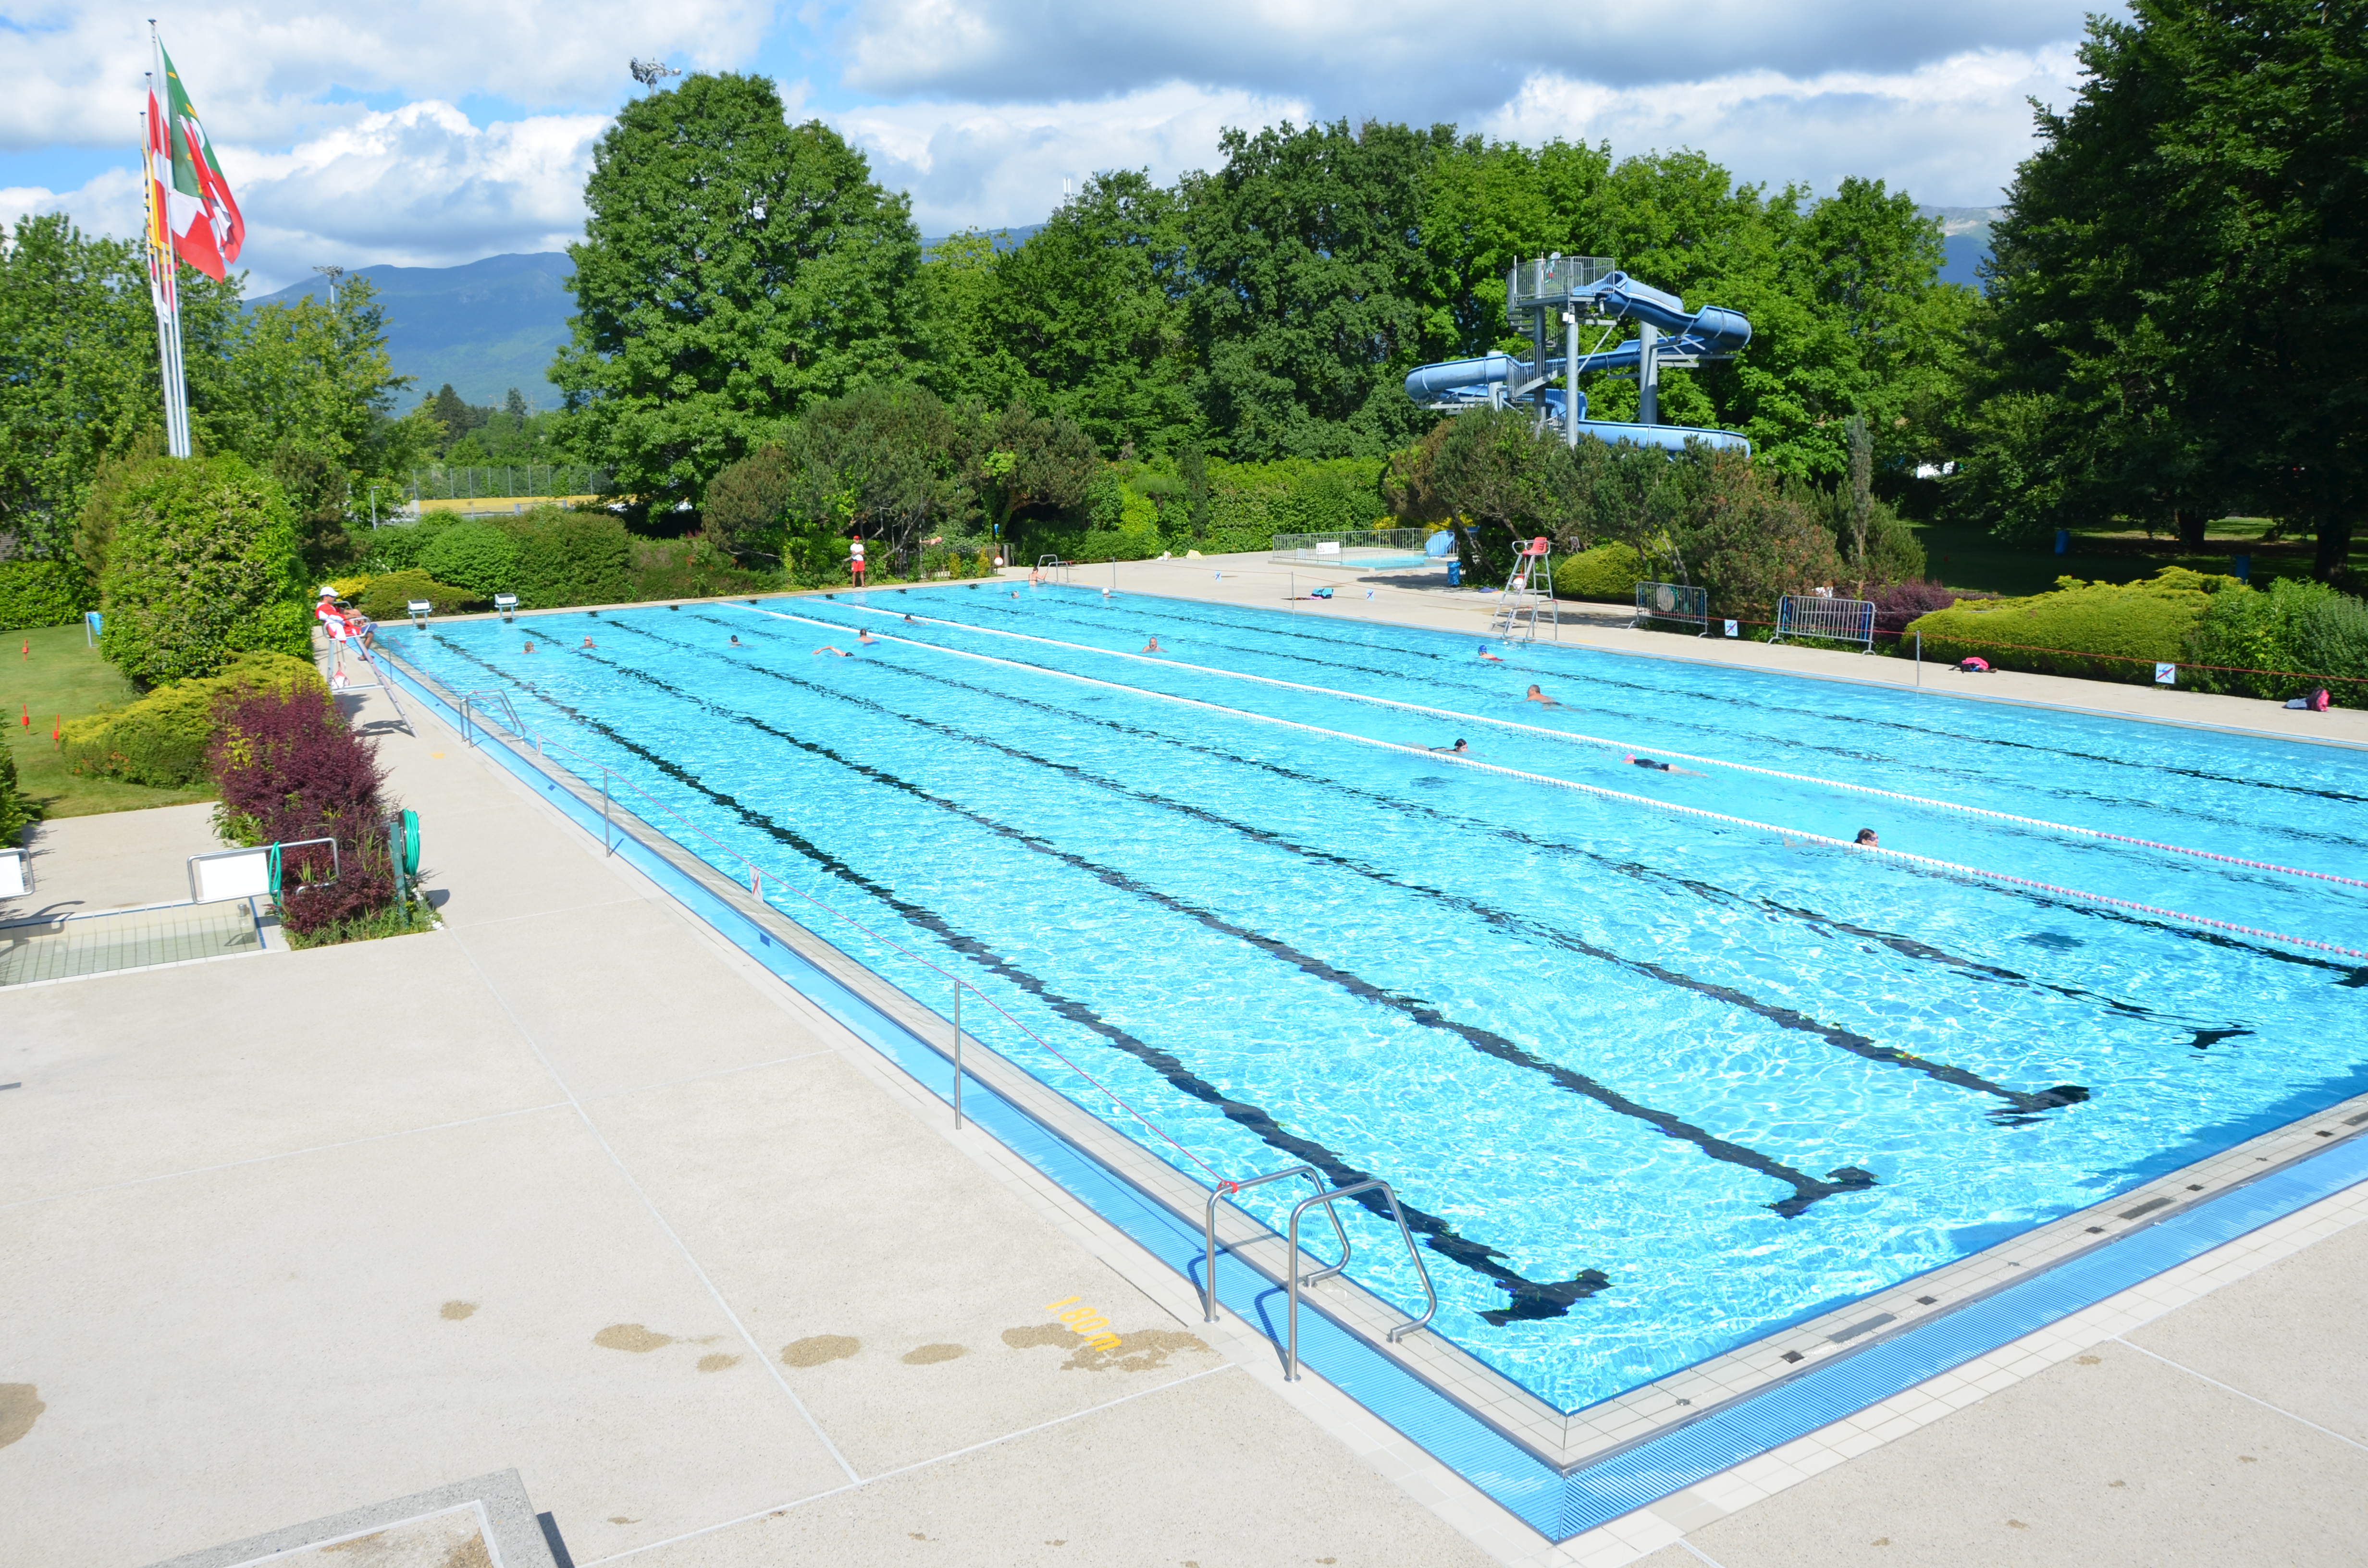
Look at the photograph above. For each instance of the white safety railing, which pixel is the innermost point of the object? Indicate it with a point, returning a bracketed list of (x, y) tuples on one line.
[(1672, 601), (1344, 547), (1832, 620)]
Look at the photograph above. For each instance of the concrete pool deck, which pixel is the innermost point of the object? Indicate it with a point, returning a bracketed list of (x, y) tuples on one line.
[(571, 1185)]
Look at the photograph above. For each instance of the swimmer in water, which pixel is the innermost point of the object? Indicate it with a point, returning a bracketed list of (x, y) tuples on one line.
[(863, 635), (1458, 749), (908, 620), (529, 647), (833, 653), (588, 642), (735, 640), (1490, 656), (1153, 647), (1866, 839), (1663, 766), (1538, 696)]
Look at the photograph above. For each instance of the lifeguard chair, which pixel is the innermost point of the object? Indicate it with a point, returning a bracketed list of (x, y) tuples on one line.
[(1529, 595)]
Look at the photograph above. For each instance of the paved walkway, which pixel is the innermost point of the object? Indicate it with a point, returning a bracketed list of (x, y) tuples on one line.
[(571, 1185)]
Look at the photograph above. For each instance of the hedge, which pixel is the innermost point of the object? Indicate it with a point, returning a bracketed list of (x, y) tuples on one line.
[(15, 811), (1609, 572), (2304, 626), (43, 593), (2103, 630), (202, 568), (389, 594), (161, 739)]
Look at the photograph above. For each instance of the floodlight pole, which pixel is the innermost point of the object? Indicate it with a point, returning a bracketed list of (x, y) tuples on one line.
[(332, 274)]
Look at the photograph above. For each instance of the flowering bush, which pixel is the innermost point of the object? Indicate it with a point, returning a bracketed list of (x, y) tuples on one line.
[(289, 769), (1900, 603)]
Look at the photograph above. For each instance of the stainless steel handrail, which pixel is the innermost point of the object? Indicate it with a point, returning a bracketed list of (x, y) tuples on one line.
[(500, 695), (1291, 1352), (1227, 1189)]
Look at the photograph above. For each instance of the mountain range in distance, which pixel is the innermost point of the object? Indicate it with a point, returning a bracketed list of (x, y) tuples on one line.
[(489, 326)]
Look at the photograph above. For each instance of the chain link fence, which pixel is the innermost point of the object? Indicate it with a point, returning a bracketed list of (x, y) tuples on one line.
[(506, 482)]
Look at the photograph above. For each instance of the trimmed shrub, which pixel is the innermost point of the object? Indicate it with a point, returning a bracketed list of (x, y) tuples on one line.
[(2295, 625), (16, 811), (43, 593), (161, 740), (474, 556), (2103, 630), (1901, 603), (572, 558), (388, 595), (287, 768), (202, 568), (1609, 573)]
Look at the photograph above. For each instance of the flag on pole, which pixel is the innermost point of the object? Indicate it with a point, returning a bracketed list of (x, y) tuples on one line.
[(207, 229), (155, 169)]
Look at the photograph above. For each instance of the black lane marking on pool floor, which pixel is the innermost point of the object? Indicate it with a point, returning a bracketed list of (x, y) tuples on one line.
[(1532, 1298), (1760, 707), (2029, 895), (1710, 893), (1806, 1188), (1636, 870), (2022, 1105)]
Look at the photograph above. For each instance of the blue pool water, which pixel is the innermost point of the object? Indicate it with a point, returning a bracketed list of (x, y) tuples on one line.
[(1650, 1086)]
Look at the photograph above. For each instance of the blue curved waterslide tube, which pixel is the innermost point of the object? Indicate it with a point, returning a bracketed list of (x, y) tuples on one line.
[(1711, 330)]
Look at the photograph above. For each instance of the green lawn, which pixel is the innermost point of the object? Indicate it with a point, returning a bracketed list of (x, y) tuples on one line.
[(64, 677)]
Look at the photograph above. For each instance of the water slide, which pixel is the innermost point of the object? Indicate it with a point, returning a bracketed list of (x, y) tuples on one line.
[(1713, 332)]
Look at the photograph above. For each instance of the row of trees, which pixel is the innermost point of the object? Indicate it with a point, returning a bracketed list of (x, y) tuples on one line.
[(737, 269), (302, 391)]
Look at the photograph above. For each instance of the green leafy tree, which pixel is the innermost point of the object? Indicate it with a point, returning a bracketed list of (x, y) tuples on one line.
[(1305, 251), (880, 463), (203, 567), (1019, 463), (735, 269), (1084, 320), (2178, 285), (747, 503)]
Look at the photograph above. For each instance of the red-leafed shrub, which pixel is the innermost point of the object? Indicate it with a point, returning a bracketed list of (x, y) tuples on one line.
[(289, 769), (1900, 603)]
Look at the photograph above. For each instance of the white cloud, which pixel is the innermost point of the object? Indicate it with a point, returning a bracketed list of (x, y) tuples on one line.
[(1950, 132), (1003, 164), (418, 187), (256, 71)]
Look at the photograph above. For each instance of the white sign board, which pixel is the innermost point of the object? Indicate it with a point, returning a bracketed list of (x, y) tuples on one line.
[(12, 873), (241, 873), (1327, 547), (2166, 674)]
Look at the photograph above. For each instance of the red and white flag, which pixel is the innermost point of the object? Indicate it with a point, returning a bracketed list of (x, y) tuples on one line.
[(198, 212)]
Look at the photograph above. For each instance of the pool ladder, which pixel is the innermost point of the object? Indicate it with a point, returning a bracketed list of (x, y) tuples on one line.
[(1295, 1281)]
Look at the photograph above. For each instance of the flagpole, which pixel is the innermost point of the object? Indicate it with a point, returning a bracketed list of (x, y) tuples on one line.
[(162, 266)]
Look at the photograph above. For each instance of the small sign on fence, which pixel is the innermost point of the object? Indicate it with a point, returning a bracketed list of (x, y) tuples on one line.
[(1732, 629), (2166, 674)]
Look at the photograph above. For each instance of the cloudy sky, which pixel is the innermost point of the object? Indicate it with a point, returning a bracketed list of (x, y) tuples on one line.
[(427, 132)]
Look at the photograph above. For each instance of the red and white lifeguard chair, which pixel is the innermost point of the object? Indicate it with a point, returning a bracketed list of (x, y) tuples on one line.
[(1529, 595)]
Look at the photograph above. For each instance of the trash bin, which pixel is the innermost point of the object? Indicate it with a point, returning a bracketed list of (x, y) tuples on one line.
[(1454, 573), (2063, 541)]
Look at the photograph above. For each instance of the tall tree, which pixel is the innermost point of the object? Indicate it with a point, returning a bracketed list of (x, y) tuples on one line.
[(733, 268), (1306, 258), (2179, 286)]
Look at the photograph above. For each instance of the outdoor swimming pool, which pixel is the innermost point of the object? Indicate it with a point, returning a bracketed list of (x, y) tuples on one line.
[(1649, 1084)]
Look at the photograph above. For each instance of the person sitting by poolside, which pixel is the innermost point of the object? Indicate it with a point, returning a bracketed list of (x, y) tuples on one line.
[(1663, 766), (1867, 840), (833, 653), (1153, 647), (1458, 749), (1490, 656), (1538, 696)]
